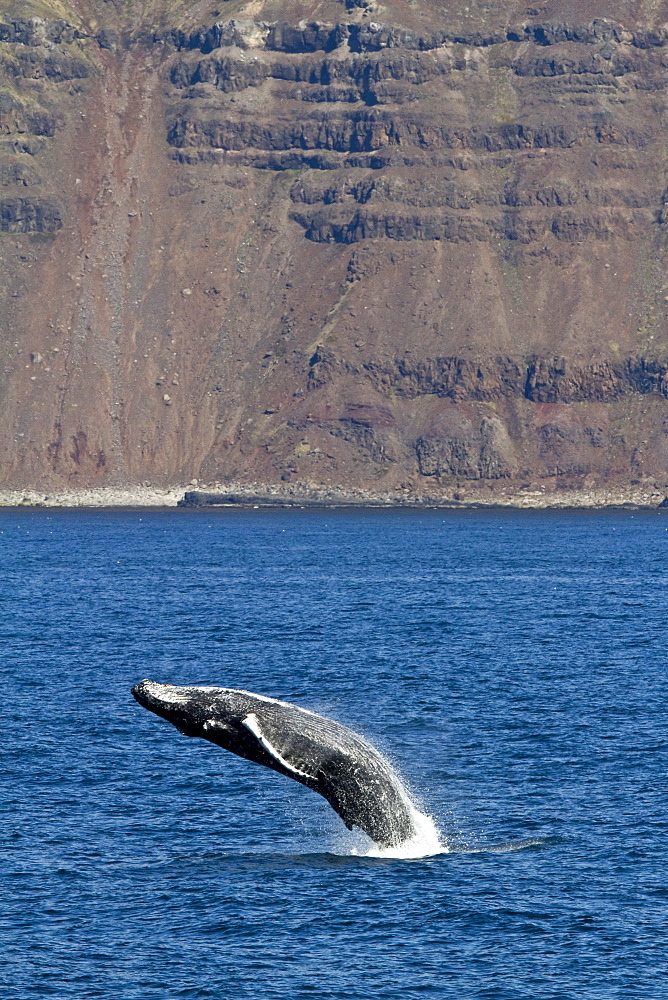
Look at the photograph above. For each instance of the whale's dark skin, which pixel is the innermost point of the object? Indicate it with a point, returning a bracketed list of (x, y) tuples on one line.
[(311, 749)]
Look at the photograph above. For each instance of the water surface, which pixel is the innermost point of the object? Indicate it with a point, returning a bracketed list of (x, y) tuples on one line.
[(512, 665)]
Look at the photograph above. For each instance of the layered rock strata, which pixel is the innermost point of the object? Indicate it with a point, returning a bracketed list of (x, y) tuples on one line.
[(394, 247)]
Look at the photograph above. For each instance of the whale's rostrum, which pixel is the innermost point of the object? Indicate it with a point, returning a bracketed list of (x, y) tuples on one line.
[(359, 784)]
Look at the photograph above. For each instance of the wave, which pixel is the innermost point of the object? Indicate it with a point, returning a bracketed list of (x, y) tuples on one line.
[(506, 847)]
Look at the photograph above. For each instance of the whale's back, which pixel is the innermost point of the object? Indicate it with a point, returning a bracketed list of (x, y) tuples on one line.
[(357, 781)]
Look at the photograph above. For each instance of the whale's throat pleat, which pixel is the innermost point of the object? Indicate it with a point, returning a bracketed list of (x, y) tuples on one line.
[(252, 724)]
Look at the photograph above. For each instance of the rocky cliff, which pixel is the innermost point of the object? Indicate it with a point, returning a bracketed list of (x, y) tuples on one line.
[(391, 246)]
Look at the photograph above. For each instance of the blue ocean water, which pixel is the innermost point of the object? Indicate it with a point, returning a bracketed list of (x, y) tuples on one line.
[(512, 665)]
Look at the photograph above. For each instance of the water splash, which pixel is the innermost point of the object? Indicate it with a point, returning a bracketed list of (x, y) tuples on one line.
[(425, 842)]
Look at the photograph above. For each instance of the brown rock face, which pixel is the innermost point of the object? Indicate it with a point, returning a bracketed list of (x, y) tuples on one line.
[(387, 245)]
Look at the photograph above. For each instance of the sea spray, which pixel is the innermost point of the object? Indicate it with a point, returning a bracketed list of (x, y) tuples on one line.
[(425, 842)]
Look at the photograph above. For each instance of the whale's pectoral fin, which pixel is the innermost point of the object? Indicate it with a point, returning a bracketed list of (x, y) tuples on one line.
[(252, 724)]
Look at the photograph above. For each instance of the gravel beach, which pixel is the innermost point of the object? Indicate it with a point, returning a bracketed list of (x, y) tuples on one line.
[(305, 494)]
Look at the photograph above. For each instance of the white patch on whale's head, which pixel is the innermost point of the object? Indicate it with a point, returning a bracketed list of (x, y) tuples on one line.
[(164, 693)]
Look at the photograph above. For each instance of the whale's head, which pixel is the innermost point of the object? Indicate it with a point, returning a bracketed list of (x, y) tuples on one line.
[(223, 716), (190, 709)]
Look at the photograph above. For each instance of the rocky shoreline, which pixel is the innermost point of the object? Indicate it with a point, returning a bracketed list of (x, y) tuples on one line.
[(194, 496)]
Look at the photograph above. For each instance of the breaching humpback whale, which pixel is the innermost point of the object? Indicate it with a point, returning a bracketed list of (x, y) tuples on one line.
[(313, 750)]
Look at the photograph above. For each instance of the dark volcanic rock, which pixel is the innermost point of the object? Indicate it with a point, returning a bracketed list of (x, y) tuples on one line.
[(468, 451), (25, 215)]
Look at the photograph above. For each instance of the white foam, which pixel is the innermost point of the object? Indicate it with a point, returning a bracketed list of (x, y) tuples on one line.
[(425, 843)]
